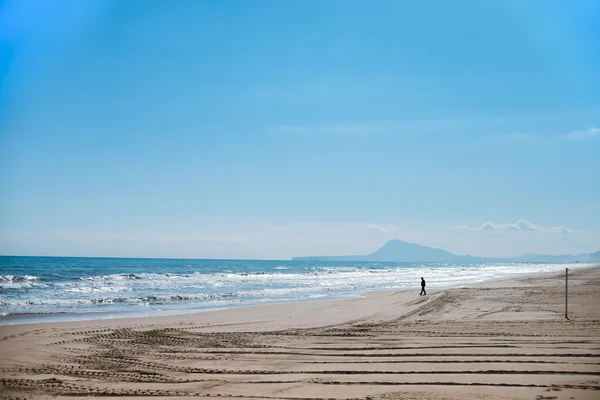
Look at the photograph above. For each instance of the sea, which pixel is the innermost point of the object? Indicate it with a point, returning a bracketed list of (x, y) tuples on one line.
[(48, 289)]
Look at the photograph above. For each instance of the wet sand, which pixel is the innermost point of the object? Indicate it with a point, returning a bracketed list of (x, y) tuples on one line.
[(506, 339)]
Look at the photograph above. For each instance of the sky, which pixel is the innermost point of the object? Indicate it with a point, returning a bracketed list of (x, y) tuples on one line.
[(272, 129)]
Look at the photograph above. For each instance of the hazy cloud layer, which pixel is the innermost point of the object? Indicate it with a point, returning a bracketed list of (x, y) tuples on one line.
[(374, 127), (282, 241), (562, 229), (590, 133), (593, 132), (384, 228)]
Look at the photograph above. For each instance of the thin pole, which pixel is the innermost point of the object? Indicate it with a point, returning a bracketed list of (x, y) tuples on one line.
[(566, 292)]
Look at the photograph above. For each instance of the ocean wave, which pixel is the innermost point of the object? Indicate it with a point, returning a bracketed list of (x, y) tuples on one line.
[(114, 300), (19, 278), (16, 282), (227, 275), (92, 289), (263, 294), (318, 278), (168, 279)]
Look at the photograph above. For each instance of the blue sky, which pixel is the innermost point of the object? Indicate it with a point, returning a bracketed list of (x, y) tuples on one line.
[(268, 129)]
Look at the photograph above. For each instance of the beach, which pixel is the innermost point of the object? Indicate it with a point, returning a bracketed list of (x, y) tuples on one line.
[(500, 339)]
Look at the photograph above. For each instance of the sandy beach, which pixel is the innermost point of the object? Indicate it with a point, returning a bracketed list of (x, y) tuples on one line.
[(505, 339)]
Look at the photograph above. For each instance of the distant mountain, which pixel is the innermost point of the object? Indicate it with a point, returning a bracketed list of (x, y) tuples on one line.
[(398, 250)]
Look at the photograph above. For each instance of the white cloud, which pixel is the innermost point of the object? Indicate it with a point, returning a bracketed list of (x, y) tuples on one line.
[(520, 225), (562, 229), (524, 225), (488, 226), (580, 135), (383, 228), (462, 227)]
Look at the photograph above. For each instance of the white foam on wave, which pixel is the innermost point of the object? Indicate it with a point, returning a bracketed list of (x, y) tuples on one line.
[(19, 278), (52, 301), (88, 289), (20, 281)]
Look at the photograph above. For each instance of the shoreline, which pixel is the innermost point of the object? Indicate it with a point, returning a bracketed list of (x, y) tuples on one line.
[(25, 318), (515, 281)]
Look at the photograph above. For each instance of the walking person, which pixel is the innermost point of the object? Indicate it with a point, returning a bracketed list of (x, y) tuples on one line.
[(423, 292)]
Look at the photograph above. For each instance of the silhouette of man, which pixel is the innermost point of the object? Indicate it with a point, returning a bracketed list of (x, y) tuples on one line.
[(423, 292)]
